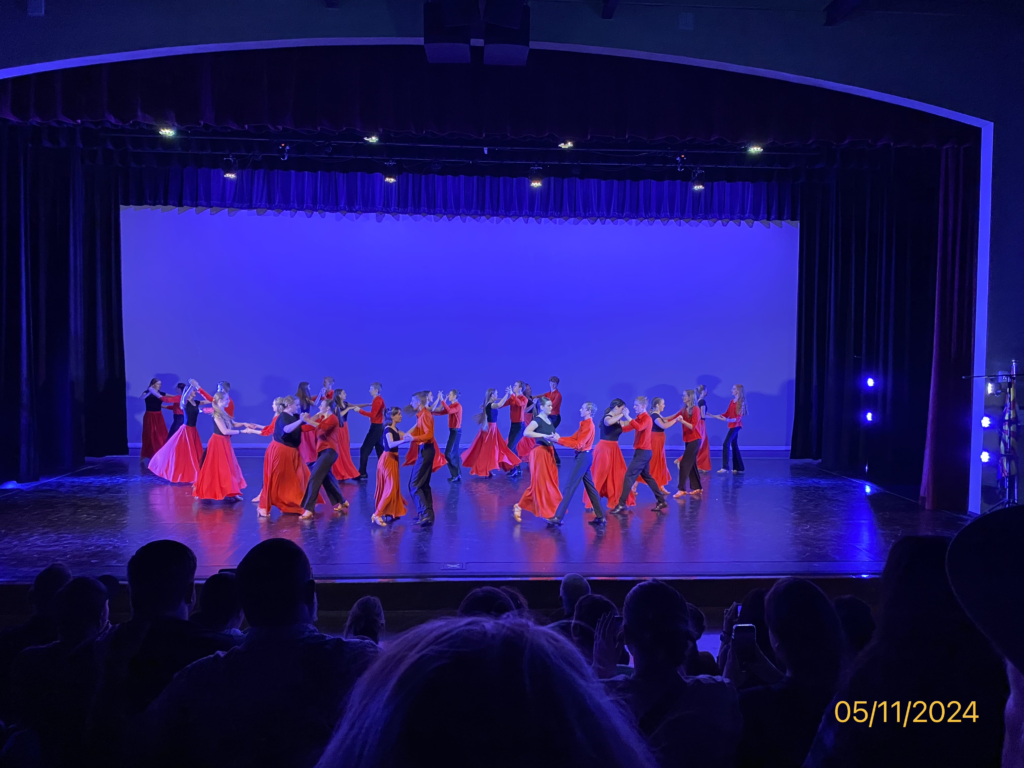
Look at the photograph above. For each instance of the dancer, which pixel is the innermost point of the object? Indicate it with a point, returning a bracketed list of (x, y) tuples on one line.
[(542, 497), (307, 446), (372, 441), (423, 452), (223, 387), (526, 444), (609, 466), (285, 475), (277, 406), (387, 495), (516, 402), (638, 465), (690, 419), (154, 428), (177, 414), (582, 440), (659, 466), (220, 477), (179, 459), (343, 468), (453, 408), (320, 476), (556, 406), (704, 452), (488, 451), (733, 416)]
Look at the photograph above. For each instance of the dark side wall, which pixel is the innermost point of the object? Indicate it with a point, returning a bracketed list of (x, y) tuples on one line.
[(963, 56)]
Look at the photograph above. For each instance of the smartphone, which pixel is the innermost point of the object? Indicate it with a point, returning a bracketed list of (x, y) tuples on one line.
[(744, 641)]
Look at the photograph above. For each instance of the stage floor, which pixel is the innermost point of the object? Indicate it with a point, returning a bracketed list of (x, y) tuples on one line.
[(780, 517)]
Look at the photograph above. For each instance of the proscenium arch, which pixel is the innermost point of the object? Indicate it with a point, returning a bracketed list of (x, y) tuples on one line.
[(984, 196)]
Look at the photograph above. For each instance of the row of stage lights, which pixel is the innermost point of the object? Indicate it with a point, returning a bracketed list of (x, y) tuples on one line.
[(229, 166)]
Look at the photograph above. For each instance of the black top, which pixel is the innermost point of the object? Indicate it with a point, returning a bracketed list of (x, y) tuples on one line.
[(654, 421), (292, 439), (492, 415), (610, 433), (154, 403), (191, 413), (544, 428), (393, 434), (702, 406), (216, 429), (339, 409)]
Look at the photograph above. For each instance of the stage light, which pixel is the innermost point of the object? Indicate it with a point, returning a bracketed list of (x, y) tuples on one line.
[(697, 181), (869, 416), (536, 183), (565, 145), (867, 489), (283, 150), (168, 132), (985, 456), (536, 179), (755, 149), (229, 167), (390, 179), (870, 382), (986, 422), (372, 139)]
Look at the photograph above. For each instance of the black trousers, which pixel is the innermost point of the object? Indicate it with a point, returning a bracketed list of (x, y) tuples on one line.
[(370, 443), (515, 434), (580, 474), (419, 483), (320, 476), (688, 467), (556, 419), (732, 438), (451, 452), (638, 467), (176, 423)]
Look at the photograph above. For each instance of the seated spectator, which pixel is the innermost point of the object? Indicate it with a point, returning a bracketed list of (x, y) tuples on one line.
[(366, 619), (272, 701), (40, 629), (780, 718), (470, 692), (699, 662), (984, 566), (518, 601), (53, 684), (589, 610), (857, 621), (925, 649), (113, 585), (572, 588), (686, 720), (486, 601), (750, 611), (220, 608)]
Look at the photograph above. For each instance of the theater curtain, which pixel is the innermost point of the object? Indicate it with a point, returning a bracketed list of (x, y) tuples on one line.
[(886, 291), (62, 380), (569, 199)]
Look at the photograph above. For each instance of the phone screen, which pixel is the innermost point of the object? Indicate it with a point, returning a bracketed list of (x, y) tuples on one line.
[(744, 639)]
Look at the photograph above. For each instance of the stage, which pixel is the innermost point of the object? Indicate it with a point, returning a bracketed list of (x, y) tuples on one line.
[(781, 517)]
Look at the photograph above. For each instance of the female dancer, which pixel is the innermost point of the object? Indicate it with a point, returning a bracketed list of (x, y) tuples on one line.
[(426, 457), (453, 408), (488, 451), (542, 496), (582, 440), (307, 446), (179, 459), (516, 402), (690, 419), (285, 475), (220, 477), (387, 495), (556, 407), (733, 416), (327, 425), (704, 452), (526, 444), (609, 467), (222, 387), (659, 466), (268, 431), (177, 414), (154, 428), (343, 468)]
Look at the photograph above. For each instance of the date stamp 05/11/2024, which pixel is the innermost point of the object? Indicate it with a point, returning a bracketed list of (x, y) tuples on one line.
[(905, 713)]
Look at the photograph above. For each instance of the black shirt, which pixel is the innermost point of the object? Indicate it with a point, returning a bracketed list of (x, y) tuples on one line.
[(610, 433), (702, 406), (544, 427), (393, 434), (292, 439), (654, 422), (153, 403), (492, 415), (191, 414)]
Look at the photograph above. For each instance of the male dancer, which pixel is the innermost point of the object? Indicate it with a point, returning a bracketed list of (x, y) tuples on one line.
[(451, 449), (376, 431), (556, 407), (582, 440), (642, 424), (516, 402), (423, 436), (320, 470)]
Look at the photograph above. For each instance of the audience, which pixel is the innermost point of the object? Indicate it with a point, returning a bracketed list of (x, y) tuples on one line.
[(486, 601), (220, 608), (781, 716), (857, 622), (275, 699), (925, 649), (519, 603), (750, 611), (686, 720), (589, 611), (572, 588), (464, 693), (699, 662), (366, 619)]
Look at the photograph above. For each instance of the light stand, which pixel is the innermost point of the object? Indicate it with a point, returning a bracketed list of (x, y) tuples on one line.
[(1008, 429)]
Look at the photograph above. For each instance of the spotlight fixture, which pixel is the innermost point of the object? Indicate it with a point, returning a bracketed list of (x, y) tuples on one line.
[(869, 416), (229, 167), (867, 489), (985, 457), (566, 145), (989, 388), (870, 382), (697, 180), (679, 163), (755, 149), (371, 139), (390, 179), (986, 422), (168, 132), (536, 179), (283, 151)]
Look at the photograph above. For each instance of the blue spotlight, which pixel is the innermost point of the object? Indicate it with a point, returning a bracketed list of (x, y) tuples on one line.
[(870, 382), (869, 416), (985, 457), (867, 489), (986, 422)]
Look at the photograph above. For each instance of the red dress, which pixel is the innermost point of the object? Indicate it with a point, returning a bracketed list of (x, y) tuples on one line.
[(543, 495), (178, 461), (343, 468), (154, 428), (526, 444), (220, 477), (704, 452), (609, 467), (658, 466), (285, 477), (387, 495), (307, 446), (489, 451)]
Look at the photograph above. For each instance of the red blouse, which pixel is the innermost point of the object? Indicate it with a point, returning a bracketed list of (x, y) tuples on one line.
[(556, 401), (732, 412), (516, 404), (642, 425), (582, 439), (325, 432), (691, 415), (454, 412), (231, 403), (376, 412)]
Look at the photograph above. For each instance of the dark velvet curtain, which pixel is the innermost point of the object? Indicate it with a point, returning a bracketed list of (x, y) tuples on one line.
[(62, 363)]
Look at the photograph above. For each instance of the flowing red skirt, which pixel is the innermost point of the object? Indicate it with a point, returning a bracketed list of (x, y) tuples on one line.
[(489, 452), (543, 496), (178, 461), (525, 447), (154, 433), (704, 452), (220, 476), (343, 468), (387, 496), (659, 467), (307, 448), (440, 460), (609, 470), (285, 477)]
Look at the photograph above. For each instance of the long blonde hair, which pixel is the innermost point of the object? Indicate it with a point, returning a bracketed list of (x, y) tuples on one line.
[(481, 417), (278, 405), (692, 395), (741, 400), (220, 400)]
